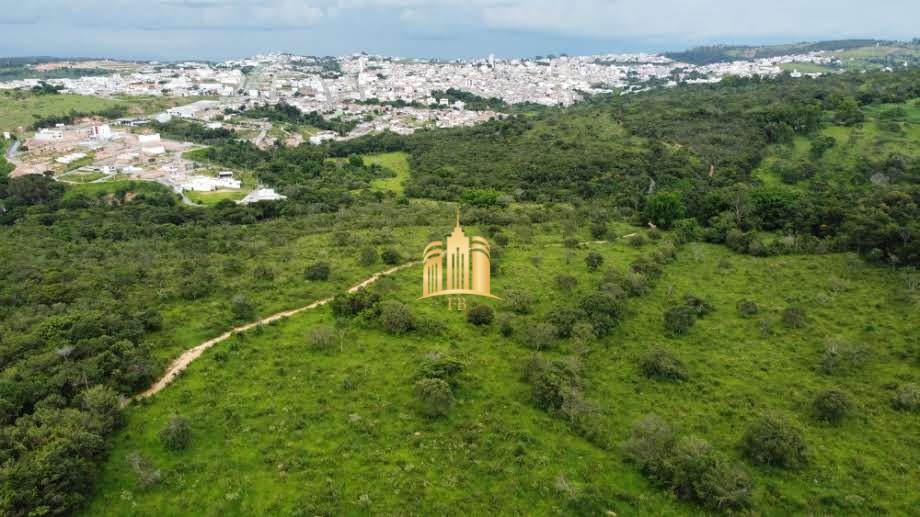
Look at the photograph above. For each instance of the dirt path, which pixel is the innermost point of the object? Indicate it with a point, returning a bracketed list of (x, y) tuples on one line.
[(181, 362)]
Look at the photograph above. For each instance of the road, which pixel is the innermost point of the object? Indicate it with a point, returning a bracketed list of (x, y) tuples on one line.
[(187, 357), (12, 150)]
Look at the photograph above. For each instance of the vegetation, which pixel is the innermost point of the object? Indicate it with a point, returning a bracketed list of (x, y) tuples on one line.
[(380, 401)]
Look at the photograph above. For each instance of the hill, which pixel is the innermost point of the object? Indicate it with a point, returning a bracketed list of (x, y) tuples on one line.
[(769, 302), (854, 53)]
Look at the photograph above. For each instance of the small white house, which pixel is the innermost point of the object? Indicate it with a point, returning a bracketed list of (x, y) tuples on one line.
[(6, 135), (154, 150), (148, 139), (103, 132), (208, 184), (50, 134), (322, 136)]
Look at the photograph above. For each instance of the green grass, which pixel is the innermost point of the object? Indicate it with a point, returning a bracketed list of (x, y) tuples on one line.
[(212, 198), (397, 162), (806, 68), (19, 108), (278, 428)]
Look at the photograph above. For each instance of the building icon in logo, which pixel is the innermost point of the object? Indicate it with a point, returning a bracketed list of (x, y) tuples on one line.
[(465, 261)]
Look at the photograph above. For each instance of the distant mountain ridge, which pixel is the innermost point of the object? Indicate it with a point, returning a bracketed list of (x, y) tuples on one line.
[(705, 55)]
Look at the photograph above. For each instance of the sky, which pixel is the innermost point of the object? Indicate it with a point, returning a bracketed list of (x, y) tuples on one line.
[(224, 29)]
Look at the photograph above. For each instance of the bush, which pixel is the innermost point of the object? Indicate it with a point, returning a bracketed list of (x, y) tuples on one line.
[(603, 310), (702, 476), (650, 446), (176, 435), (396, 317), (538, 336), (550, 382), (566, 282), (322, 338), (599, 230), (839, 357), (594, 260), (439, 366), (688, 466), (351, 304), (659, 363), (369, 256), (480, 315), (831, 406), (636, 240), (700, 306), (318, 271), (771, 440), (391, 257), (520, 302), (564, 320), (679, 319), (747, 308), (506, 325), (907, 398), (242, 307), (435, 398), (794, 317)]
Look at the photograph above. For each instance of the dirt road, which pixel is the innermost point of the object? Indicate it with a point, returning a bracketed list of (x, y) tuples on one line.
[(191, 354)]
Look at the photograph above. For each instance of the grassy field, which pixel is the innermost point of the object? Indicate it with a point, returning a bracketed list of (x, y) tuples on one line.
[(806, 68), (280, 428), (212, 198), (396, 162), (19, 109)]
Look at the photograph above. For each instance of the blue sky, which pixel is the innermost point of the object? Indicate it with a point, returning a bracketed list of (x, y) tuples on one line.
[(219, 29)]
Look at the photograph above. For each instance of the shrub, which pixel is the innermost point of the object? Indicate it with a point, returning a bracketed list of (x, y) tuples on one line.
[(700, 306), (636, 240), (646, 266), (396, 317), (439, 366), (679, 319), (520, 302), (702, 476), (839, 357), (649, 447), (598, 230), (369, 256), (317, 271), (659, 363), (391, 257), (480, 315), (603, 310), (566, 282), (747, 308), (263, 273), (351, 304), (564, 320), (771, 440), (831, 405), (907, 398), (538, 336), (550, 382), (570, 243), (687, 230), (242, 307), (147, 475), (176, 435), (688, 466), (506, 325), (594, 260), (794, 317), (435, 398), (322, 338)]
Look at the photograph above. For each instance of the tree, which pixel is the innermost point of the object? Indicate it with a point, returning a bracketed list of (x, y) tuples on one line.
[(318, 271), (480, 315), (391, 257), (435, 398), (773, 440), (177, 434), (242, 307), (396, 317), (594, 260), (663, 209), (369, 256), (679, 319)]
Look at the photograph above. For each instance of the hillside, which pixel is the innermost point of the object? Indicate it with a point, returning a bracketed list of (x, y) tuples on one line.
[(281, 424), (767, 297), (853, 53)]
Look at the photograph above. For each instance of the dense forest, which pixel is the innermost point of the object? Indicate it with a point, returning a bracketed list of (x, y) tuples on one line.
[(89, 276)]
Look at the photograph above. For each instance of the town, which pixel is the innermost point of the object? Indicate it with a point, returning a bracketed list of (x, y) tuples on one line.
[(357, 95)]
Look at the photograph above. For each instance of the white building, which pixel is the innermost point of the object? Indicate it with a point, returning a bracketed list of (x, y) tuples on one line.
[(50, 134), (148, 139), (208, 184), (262, 194), (322, 136), (154, 150), (103, 132)]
